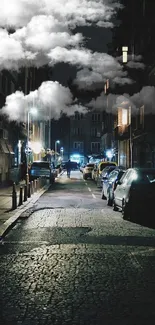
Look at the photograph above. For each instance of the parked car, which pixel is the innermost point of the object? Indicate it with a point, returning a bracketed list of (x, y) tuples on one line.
[(101, 166), (104, 177), (87, 171), (135, 192), (82, 167), (94, 172), (109, 184), (41, 169)]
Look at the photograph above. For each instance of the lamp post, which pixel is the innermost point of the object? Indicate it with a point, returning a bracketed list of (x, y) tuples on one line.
[(130, 125), (32, 111), (56, 142)]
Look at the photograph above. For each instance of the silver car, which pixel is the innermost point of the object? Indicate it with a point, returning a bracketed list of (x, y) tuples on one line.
[(135, 192)]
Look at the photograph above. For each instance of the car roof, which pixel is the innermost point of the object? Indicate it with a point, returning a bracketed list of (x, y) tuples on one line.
[(108, 163)]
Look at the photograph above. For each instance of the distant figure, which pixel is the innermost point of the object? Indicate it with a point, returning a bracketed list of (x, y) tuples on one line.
[(68, 168)]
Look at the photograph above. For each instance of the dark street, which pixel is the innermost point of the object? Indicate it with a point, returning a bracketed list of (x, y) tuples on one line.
[(76, 261)]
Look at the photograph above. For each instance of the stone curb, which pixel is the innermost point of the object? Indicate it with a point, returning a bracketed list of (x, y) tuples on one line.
[(8, 224)]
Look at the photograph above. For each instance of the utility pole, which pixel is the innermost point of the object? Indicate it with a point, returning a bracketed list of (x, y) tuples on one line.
[(49, 130), (130, 131)]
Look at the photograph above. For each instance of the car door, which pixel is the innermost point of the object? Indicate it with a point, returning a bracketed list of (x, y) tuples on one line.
[(110, 175), (111, 179), (122, 190)]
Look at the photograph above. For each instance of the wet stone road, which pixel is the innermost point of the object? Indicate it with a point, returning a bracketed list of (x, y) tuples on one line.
[(74, 261)]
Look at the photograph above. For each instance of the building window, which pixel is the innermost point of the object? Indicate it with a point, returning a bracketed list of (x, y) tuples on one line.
[(96, 117), (12, 87), (93, 132), (78, 146), (78, 116), (77, 131), (95, 146)]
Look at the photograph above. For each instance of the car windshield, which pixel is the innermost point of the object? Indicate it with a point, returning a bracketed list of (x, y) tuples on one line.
[(102, 166), (41, 164)]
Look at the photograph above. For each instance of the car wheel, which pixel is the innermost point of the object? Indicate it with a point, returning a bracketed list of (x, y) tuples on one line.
[(126, 210), (109, 200), (102, 195), (115, 208)]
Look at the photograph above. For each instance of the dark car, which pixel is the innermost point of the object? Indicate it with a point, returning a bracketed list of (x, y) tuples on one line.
[(110, 183), (135, 192), (41, 169)]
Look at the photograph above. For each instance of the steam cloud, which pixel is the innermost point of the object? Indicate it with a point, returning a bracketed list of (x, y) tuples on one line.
[(42, 35), (111, 102), (51, 99)]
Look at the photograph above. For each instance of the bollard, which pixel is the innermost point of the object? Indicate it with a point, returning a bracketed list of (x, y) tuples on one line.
[(35, 185), (21, 196), (29, 190), (14, 197), (25, 192), (32, 187), (38, 185)]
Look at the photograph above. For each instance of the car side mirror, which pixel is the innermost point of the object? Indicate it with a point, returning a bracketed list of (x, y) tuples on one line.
[(118, 182)]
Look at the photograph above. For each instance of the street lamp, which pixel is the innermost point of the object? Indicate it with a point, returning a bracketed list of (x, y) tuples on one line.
[(56, 142), (32, 111)]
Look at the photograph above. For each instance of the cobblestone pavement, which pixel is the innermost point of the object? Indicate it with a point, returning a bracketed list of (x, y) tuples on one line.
[(77, 265)]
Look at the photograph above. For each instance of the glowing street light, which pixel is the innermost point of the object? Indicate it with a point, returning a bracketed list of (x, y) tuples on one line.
[(109, 153), (36, 147)]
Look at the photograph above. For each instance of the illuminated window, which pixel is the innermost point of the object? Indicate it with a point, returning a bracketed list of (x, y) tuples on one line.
[(125, 54), (122, 116)]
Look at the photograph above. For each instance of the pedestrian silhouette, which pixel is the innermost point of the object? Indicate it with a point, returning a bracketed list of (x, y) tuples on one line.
[(68, 168)]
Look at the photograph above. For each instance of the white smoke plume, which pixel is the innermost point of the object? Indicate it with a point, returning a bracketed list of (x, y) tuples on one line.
[(111, 102), (43, 35), (51, 99), (133, 61), (97, 66), (18, 13)]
